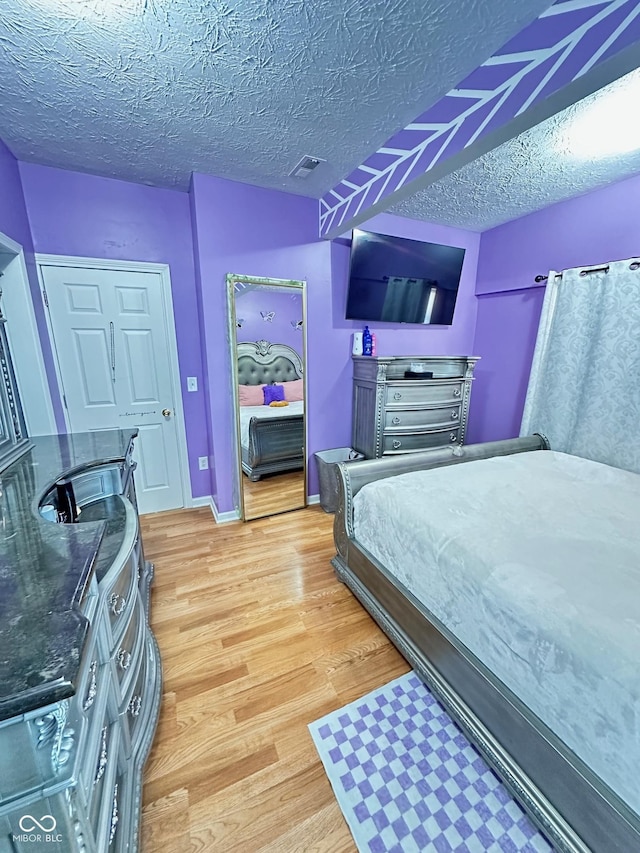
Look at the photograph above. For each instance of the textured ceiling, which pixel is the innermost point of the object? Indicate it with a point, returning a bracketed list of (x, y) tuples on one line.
[(151, 90), (531, 171)]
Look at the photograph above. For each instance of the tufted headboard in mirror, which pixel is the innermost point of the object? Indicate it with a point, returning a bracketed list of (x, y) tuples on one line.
[(261, 362)]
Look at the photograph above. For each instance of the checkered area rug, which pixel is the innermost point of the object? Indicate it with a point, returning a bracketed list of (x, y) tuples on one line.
[(407, 779)]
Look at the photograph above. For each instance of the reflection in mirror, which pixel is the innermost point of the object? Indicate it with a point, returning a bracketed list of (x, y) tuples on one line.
[(267, 340)]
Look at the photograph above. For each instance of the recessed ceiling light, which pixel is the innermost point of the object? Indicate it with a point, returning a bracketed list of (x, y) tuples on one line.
[(605, 124)]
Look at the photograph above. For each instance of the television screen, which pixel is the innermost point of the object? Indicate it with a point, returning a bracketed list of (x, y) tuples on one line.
[(395, 280)]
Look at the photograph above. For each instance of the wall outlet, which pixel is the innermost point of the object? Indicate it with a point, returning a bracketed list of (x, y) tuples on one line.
[(192, 384), (203, 462)]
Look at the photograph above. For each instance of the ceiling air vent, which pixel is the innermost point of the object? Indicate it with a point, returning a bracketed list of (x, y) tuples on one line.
[(304, 167)]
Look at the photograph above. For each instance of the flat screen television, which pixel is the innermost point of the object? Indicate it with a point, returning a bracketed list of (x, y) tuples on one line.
[(396, 280)]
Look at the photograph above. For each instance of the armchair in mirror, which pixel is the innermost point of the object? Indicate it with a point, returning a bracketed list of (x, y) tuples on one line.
[(267, 347)]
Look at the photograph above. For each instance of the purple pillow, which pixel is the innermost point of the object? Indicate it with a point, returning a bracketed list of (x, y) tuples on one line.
[(273, 394)]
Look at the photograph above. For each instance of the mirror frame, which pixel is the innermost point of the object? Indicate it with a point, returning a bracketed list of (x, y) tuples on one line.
[(232, 327)]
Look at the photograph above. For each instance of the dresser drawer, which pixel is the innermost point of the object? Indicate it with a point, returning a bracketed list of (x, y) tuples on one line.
[(134, 709), (417, 392), (115, 837), (127, 653), (100, 810), (120, 598), (412, 442), (429, 417), (94, 754)]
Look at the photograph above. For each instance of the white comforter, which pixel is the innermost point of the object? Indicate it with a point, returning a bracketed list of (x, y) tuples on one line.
[(248, 412), (533, 562)]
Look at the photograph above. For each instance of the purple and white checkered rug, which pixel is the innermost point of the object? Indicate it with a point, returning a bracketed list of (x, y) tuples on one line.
[(407, 779)]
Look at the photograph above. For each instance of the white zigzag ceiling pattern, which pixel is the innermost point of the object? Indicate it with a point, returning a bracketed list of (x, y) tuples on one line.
[(562, 45)]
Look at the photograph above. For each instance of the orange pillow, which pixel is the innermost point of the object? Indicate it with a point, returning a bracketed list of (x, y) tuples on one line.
[(293, 391), (251, 395)]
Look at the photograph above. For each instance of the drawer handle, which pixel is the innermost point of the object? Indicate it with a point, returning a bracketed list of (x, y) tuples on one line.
[(124, 659), (117, 603), (397, 396), (93, 687), (395, 421), (453, 436), (457, 392), (396, 443), (114, 815), (103, 759), (135, 705), (455, 415)]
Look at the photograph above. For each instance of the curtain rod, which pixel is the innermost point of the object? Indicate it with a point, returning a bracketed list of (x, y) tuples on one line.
[(582, 272), (634, 265)]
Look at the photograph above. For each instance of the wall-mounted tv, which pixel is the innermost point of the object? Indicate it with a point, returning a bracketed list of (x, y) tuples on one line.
[(396, 280)]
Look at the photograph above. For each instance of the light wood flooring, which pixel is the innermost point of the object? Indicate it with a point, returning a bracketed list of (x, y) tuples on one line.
[(273, 493), (258, 639)]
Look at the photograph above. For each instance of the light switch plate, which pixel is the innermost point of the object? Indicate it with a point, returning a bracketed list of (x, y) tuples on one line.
[(203, 462), (192, 383)]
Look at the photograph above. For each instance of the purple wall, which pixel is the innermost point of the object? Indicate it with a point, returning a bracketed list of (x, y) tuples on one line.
[(88, 216), (287, 308), (407, 339), (600, 226), (505, 338), (13, 213), (14, 222), (591, 229), (252, 231), (247, 230)]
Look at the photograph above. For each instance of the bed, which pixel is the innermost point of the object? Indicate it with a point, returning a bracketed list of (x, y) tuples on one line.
[(271, 439), (511, 583)]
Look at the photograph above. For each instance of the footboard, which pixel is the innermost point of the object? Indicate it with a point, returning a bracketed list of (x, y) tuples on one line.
[(275, 444)]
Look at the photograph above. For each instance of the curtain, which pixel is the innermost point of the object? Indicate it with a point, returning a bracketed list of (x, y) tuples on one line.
[(584, 388), (406, 300)]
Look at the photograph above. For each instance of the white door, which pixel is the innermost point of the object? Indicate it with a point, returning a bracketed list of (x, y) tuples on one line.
[(110, 335)]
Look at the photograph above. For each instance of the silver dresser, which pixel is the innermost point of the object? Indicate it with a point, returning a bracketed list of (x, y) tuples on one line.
[(82, 678), (394, 414)]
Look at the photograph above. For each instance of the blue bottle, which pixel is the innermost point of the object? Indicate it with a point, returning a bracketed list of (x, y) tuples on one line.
[(367, 342)]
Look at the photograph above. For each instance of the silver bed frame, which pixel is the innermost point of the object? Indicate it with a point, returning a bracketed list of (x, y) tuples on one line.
[(572, 806), (275, 444)]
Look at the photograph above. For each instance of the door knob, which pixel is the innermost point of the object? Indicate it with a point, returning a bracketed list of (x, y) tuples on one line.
[(166, 412)]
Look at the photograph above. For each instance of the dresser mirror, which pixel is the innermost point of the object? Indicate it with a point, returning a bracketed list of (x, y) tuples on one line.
[(267, 338)]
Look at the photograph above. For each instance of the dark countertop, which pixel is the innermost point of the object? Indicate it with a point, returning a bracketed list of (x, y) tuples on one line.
[(45, 568)]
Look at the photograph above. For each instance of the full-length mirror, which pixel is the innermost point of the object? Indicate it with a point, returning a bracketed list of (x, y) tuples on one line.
[(267, 328)]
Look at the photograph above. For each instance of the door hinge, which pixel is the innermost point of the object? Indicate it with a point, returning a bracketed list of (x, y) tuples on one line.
[(64, 400), (45, 297)]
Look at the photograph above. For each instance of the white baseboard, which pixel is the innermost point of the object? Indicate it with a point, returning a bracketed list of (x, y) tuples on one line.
[(220, 517), (313, 499), (224, 517), (205, 500)]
